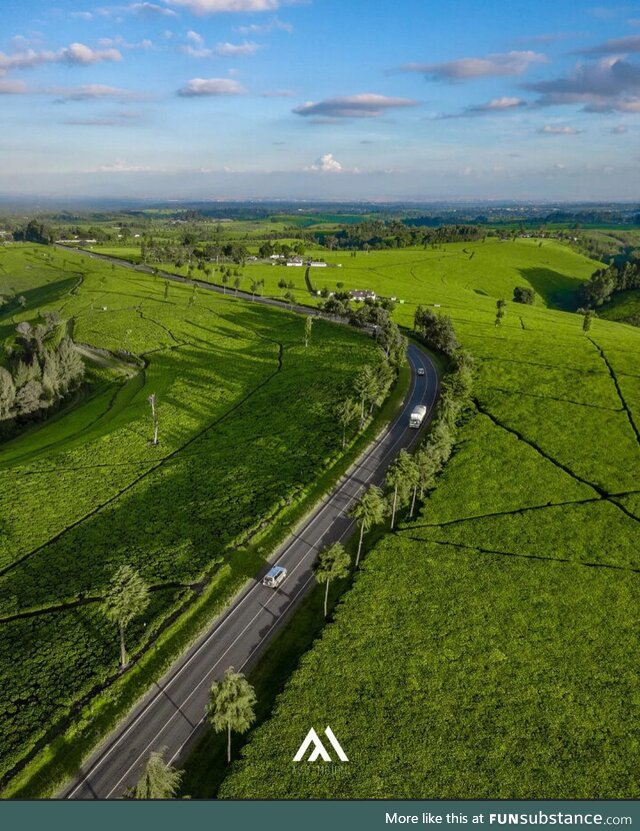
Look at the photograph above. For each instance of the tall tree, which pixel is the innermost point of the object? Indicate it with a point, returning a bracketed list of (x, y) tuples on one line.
[(398, 481), (412, 473), (308, 327), (231, 704), (368, 511), (236, 284), (346, 414), (366, 388), (126, 598), (159, 780), (7, 394), (333, 563), (586, 321), (427, 470), (154, 417)]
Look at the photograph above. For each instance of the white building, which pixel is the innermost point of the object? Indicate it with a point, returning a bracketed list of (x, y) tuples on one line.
[(359, 295)]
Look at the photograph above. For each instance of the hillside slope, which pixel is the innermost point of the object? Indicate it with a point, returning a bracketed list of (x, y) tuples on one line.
[(488, 648)]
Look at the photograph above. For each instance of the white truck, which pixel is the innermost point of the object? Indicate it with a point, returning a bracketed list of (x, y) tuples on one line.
[(417, 416)]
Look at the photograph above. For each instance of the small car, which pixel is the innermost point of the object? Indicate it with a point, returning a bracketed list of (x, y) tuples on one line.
[(421, 370), (274, 577)]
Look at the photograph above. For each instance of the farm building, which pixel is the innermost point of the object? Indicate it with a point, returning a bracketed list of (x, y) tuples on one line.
[(361, 295), (317, 264), (295, 262)]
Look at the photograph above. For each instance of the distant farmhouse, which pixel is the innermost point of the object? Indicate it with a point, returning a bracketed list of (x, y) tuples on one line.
[(360, 295)]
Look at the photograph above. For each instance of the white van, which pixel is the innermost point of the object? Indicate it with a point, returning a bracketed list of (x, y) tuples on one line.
[(274, 577)]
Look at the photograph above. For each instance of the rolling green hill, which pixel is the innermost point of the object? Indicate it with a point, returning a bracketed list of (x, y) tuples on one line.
[(488, 648), (86, 491)]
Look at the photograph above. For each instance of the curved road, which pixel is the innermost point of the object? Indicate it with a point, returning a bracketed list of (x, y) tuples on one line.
[(172, 712)]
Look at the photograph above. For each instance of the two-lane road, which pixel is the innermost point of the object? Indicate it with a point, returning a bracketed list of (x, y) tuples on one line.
[(172, 713)]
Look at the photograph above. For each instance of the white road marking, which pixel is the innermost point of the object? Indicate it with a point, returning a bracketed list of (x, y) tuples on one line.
[(254, 587)]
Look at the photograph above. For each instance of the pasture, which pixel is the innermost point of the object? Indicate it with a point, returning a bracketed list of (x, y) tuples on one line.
[(488, 648), (246, 426)]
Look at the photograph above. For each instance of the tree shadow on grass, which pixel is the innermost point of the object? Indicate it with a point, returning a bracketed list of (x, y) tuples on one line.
[(559, 291)]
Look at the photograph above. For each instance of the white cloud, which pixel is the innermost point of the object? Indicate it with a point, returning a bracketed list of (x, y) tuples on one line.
[(122, 166), (196, 52), (504, 103), (141, 9), (326, 164), (150, 10), (607, 85), (92, 92), (196, 48), (619, 130), (121, 43), (263, 28), (229, 6), (233, 50), (558, 130), (81, 16), (496, 105), (365, 105), (211, 87), (75, 54), (467, 69)]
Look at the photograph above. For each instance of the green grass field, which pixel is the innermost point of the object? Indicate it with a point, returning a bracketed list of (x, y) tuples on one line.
[(456, 276), (623, 307), (488, 648), (86, 491)]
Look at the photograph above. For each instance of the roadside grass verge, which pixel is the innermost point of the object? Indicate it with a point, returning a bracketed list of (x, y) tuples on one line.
[(192, 609)]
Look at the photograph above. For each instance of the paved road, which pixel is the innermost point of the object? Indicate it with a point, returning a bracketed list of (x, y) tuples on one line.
[(173, 711), (171, 715), (177, 278)]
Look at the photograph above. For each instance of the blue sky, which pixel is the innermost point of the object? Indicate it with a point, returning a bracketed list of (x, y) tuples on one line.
[(365, 99)]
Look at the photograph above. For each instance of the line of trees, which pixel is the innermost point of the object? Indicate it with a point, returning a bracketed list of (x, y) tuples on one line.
[(605, 282), (42, 367), (231, 709), (35, 231), (436, 330), (372, 384), (370, 388), (379, 234), (232, 699), (410, 477)]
